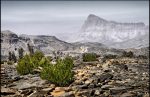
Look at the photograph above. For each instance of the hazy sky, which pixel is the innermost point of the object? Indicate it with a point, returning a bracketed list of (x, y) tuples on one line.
[(58, 17)]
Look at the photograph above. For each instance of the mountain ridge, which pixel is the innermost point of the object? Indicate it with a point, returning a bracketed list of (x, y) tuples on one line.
[(96, 29)]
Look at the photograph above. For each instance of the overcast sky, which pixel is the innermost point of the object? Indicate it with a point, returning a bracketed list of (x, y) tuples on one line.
[(59, 17)]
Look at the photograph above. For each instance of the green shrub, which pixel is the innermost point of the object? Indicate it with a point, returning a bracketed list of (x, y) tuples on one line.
[(59, 73), (43, 62), (68, 61), (30, 62), (89, 57), (25, 65), (38, 55), (142, 57), (10, 62), (128, 54), (110, 56), (49, 58), (3, 61)]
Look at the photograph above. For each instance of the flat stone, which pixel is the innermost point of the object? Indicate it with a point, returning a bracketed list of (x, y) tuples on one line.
[(104, 77), (88, 81), (48, 89), (97, 92), (128, 95), (57, 93), (68, 94), (116, 90), (7, 91), (106, 87)]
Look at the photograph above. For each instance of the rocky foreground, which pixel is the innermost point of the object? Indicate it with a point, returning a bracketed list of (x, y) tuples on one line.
[(123, 77)]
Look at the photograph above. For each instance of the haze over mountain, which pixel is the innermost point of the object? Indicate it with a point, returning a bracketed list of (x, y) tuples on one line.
[(96, 35), (96, 29)]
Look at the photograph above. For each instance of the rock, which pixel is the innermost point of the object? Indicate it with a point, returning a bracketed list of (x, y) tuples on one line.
[(107, 70), (7, 91), (78, 82), (104, 77), (57, 93), (68, 94), (88, 81), (84, 93), (36, 71), (83, 86), (116, 90), (16, 78), (123, 66), (128, 95), (38, 94), (92, 85), (97, 92), (48, 89), (106, 94), (26, 92), (24, 85), (146, 95), (106, 87)]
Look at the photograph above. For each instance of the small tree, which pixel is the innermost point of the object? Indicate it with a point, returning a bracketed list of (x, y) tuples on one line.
[(30, 48), (20, 51), (14, 57), (10, 56)]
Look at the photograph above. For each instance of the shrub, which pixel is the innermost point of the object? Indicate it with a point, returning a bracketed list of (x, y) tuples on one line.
[(30, 62), (49, 58), (12, 57), (38, 55), (68, 61), (110, 56), (60, 73), (36, 58), (3, 61), (128, 54), (89, 57), (142, 57), (10, 62), (43, 62), (25, 65)]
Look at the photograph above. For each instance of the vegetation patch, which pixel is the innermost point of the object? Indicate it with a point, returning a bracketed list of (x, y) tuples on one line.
[(59, 73), (128, 54), (87, 57)]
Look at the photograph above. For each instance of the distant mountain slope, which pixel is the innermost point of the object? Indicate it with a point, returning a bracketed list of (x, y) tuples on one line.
[(96, 29), (138, 42), (10, 41), (47, 44)]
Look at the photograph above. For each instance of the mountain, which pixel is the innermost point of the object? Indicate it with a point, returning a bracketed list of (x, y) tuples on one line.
[(12, 42), (96, 29), (47, 44), (138, 42)]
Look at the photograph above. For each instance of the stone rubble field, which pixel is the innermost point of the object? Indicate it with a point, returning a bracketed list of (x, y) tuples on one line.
[(124, 77)]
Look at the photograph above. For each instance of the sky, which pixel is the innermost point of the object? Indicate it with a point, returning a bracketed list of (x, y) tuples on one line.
[(59, 18)]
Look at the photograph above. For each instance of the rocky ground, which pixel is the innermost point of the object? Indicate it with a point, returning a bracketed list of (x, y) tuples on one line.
[(122, 77)]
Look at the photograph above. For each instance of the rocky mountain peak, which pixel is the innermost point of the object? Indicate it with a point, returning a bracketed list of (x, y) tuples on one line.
[(97, 29), (8, 33), (95, 19)]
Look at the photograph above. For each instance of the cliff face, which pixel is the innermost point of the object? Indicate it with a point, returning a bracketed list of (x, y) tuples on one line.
[(96, 29)]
